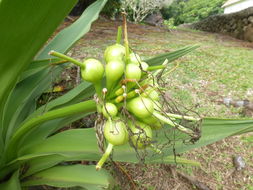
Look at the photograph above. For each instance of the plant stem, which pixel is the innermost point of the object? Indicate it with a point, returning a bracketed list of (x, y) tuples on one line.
[(104, 157), (171, 123), (152, 68), (65, 57), (119, 35), (98, 89), (182, 117), (158, 151), (126, 37)]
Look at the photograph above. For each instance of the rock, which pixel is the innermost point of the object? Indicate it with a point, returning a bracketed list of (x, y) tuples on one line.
[(248, 34), (239, 163), (154, 19), (234, 24), (250, 19), (245, 21)]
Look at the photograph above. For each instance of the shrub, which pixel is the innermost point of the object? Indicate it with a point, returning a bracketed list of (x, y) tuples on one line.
[(138, 10), (187, 11)]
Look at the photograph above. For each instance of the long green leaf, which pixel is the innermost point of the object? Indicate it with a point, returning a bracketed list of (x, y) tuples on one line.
[(212, 130), (81, 92), (17, 49), (68, 37), (12, 184), (83, 107), (39, 134), (19, 102), (171, 56), (71, 176), (35, 78)]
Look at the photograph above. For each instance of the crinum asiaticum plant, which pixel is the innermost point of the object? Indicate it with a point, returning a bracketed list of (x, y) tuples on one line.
[(31, 148)]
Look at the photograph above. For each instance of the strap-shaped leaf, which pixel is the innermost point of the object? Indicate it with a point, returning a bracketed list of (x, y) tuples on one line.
[(22, 35), (39, 134), (71, 176), (171, 56), (69, 36), (12, 184), (83, 107), (81, 92), (82, 142), (19, 102), (37, 78)]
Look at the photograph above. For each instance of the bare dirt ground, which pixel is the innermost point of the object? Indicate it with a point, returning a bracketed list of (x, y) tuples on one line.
[(217, 169)]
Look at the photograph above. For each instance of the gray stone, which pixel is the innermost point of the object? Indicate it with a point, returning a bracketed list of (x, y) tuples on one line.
[(234, 26), (248, 34), (245, 21), (250, 19), (239, 24), (154, 19)]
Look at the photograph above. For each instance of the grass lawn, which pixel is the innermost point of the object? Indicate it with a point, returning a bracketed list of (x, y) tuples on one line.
[(221, 68)]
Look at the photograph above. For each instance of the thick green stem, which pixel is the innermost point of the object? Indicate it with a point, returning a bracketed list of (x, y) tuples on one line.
[(153, 68), (190, 118), (126, 37), (119, 34), (104, 157), (65, 57), (157, 150), (98, 89), (83, 107), (173, 124)]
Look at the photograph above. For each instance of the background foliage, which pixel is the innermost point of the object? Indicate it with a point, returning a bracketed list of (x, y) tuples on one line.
[(187, 11)]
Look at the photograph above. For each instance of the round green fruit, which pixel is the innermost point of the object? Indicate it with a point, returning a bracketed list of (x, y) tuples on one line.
[(141, 134), (115, 132), (92, 71), (134, 58), (113, 70), (144, 66), (153, 122), (141, 107), (133, 71), (111, 110), (114, 52), (154, 95)]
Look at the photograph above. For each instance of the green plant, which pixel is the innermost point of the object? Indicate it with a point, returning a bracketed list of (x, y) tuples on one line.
[(170, 23), (33, 151), (192, 10)]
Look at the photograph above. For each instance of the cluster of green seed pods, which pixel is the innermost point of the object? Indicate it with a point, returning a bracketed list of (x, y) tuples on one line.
[(129, 101)]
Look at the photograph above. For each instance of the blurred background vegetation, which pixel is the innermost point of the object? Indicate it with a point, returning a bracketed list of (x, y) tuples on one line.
[(174, 12)]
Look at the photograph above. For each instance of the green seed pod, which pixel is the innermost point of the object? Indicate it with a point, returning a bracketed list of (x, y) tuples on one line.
[(151, 93), (141, 107), (116, 132), (134, 58), (142, 134), (133, 72), (144, 66), (114, 69), (114, 52), (153, 122), (111, 110), (92, 71), (154, 95)]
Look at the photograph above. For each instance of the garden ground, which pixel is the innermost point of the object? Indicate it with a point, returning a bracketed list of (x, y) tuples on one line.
[(221, 68)]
